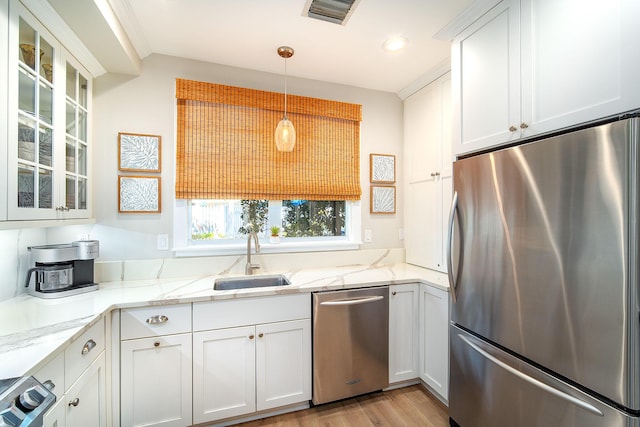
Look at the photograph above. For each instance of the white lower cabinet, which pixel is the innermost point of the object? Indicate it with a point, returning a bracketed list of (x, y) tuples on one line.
[(55, 415), (223, 373), (283, 363), (156, 381), (85, 401), (78, 374), (237, 371), (155, 366), (434, 339), (403, 332), (250, 355)]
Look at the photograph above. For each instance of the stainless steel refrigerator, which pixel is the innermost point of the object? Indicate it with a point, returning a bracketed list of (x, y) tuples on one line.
[(544, 282)]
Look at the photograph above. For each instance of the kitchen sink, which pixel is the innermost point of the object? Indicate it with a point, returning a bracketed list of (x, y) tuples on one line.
[(225, 284)]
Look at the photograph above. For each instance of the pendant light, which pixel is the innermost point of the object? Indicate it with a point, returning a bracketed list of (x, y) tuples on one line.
[(285, 132)]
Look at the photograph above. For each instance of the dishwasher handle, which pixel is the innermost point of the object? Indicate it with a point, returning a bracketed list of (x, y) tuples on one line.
[(352, 301)]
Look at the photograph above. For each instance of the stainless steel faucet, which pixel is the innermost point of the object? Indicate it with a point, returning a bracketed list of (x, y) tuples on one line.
[(248, 269)]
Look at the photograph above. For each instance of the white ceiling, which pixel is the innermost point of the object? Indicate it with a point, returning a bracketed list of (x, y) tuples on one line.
[(246, 34)]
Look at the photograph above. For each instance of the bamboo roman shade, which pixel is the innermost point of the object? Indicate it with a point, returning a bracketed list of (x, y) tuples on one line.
[(226, 147)]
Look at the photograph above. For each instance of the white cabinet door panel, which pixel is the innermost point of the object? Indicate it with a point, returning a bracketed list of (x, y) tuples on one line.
[(577, 61), (486, 74), (283, 363), (156, 381), (223, 373), (403, 332), (85, 401), (434, 339)]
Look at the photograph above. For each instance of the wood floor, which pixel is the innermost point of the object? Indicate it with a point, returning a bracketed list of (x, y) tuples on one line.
[(408, 406)]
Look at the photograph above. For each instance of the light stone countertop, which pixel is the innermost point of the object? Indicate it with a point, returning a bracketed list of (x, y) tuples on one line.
[(33, 329)]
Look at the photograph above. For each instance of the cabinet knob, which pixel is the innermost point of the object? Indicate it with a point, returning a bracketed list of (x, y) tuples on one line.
[(513, 129), (260, 335), (523, 125), (393, 293), (155, 320), (75, 402), (88, 346), (156, 344), (251, 337)]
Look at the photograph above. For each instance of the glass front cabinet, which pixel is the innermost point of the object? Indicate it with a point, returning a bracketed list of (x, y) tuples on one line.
[(48, 145)]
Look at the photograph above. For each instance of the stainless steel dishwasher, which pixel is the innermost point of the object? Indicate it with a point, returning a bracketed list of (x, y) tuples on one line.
[(350, 343)]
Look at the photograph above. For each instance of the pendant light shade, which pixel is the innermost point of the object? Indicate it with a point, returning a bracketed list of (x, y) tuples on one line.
[(285, 135), (285, 132)]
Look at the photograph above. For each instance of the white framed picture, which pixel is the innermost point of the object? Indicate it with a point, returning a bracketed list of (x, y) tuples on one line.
[(139, 194), (382, 168), (382, 199), (139, 152)]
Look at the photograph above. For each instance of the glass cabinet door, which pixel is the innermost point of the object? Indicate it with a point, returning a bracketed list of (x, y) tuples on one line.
[(48, 148), (35, 121), (76, 139)]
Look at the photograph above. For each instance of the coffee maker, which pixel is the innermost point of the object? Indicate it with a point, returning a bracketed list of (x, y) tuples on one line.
[(62, 270)]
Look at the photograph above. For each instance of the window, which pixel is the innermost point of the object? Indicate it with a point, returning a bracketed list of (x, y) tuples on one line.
[(226, 220), (212, 227), (226, 162)]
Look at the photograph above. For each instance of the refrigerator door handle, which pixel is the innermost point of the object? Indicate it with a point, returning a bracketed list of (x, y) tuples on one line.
[(582, 404), (452, 215)]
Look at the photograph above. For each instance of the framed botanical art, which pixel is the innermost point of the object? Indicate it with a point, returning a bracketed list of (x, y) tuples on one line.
[(139, 152), (382, 168), (382, 199), (139, 194)]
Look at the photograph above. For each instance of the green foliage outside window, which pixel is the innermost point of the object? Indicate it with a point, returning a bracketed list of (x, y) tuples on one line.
[(254, 216), (308, 218)]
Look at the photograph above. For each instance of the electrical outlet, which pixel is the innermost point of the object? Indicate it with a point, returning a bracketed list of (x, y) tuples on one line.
[(163, 242), (368, 236)]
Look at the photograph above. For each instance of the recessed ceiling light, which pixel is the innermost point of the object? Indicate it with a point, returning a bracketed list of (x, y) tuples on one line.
[(394, 44)]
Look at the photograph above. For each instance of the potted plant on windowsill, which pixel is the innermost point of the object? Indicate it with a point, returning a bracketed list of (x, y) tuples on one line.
[(275, 234)]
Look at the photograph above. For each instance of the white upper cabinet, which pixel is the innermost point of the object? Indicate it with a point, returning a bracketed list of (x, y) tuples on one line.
[(485, 73), (529, 67), (48, 123), (579, 61)]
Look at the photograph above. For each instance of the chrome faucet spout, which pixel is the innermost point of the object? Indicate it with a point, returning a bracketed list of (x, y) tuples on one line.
[(249, 266)]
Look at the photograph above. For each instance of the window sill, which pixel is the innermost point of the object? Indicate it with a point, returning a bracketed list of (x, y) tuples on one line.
[(266, 248)]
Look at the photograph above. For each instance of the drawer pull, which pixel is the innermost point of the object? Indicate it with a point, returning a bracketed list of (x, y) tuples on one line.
[(75, 402), (156, 320), (156, 344), (88, 346)]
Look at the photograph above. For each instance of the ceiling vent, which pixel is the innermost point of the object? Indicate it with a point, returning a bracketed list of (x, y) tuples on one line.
[(336, 11)]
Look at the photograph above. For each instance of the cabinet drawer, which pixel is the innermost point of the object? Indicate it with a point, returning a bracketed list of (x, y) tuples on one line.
[(153, 321), (250, 311), (80, 353), (54, 372)]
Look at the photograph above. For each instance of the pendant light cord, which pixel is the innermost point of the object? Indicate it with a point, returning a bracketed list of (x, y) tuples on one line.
[(285, 88)]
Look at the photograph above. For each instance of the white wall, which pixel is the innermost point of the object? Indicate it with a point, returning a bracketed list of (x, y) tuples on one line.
[(146, 104)]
